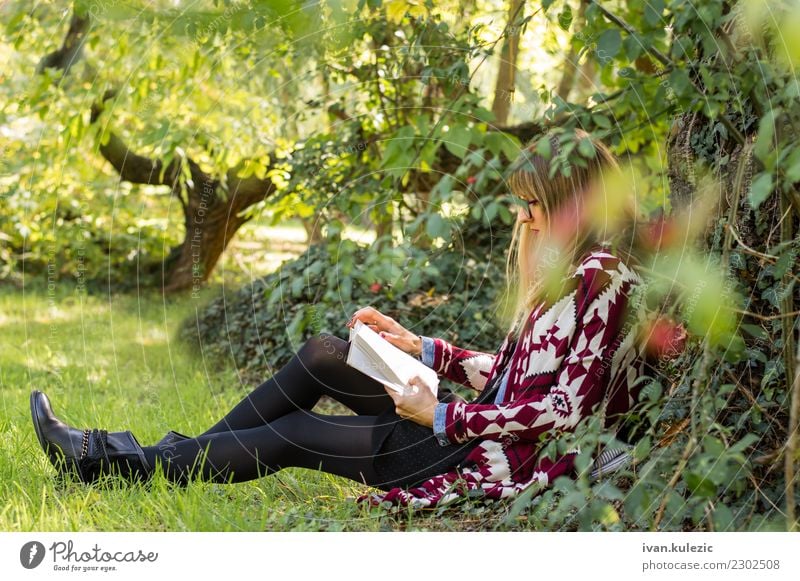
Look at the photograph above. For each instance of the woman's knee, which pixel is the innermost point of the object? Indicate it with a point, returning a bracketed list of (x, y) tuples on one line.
[(322, 350)]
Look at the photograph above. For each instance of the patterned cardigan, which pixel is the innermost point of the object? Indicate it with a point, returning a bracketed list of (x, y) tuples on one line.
[(571, 353)]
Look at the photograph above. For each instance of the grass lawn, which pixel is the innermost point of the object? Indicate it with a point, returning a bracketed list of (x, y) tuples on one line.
[(113, 363)]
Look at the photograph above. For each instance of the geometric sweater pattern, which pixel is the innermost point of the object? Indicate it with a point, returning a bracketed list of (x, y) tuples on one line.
[(571, 354)]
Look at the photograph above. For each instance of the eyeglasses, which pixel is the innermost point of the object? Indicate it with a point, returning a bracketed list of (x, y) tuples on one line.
[(526, 209)]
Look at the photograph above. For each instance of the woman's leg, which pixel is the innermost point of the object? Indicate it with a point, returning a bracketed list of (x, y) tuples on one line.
[(340, 445), (318, 368)]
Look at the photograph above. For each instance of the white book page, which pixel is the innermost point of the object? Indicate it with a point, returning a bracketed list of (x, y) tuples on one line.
[(365, 364), (382, 359)]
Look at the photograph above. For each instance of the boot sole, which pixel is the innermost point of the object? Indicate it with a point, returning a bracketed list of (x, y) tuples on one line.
[(59, 461), (36, 419)]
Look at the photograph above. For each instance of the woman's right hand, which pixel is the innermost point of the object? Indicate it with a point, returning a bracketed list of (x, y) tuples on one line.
[(389, 329)]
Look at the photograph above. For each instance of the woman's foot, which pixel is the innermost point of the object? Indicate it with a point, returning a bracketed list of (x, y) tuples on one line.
[(87, 453)]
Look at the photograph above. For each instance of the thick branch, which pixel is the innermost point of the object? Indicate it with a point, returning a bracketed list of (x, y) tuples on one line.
[(571, 65), (249, 190), (132, 167), (71, 49)]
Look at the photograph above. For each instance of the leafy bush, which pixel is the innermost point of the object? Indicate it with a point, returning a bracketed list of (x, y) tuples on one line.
[(438, 293)]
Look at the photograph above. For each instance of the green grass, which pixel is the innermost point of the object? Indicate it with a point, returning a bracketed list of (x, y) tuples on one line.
[(113, 363)]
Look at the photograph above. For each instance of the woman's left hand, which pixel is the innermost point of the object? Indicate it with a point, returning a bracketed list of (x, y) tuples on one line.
[(417, 404)]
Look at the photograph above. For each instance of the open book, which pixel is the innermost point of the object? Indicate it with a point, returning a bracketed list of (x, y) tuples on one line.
[(375, 357)]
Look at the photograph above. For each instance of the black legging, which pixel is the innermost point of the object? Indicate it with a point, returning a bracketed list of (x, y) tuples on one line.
[(273, 427)]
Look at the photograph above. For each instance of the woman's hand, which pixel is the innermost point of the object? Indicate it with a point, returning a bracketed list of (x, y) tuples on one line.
[(389, 329), (417, 404)]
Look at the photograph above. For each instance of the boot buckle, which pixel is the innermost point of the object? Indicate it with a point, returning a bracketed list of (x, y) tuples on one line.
[(85, 444)]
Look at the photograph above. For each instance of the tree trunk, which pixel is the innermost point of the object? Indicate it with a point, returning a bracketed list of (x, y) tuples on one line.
[(507, 69), (209, 229), (313, 228), (571, 65)]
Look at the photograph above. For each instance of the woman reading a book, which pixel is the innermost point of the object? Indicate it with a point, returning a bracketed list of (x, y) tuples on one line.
[(566, 351)]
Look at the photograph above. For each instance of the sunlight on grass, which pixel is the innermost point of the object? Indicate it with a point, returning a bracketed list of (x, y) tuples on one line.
[(114, 364)]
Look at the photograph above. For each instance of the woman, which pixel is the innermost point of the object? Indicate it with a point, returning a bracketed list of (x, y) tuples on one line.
[(565, 352)]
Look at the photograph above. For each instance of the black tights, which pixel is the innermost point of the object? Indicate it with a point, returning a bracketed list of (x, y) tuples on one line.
[(273, 427)]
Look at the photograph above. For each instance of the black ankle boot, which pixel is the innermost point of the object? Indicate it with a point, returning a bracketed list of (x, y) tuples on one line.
[(87, 453)]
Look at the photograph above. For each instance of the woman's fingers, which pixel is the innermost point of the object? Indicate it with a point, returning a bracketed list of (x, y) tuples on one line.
[(393, 394), (418, 381), (369, 316), (401, 343), (377, 321)]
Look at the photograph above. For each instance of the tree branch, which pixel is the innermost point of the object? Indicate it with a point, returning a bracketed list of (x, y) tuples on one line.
[(251, 189), (665, 60), (133, 168), (71, 49)]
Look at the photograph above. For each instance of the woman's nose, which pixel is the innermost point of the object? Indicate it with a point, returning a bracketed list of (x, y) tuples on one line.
[(523, 216)]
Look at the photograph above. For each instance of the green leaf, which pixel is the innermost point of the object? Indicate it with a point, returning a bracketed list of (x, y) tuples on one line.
[(633, 48), (608, 45), (601, 121), (680, 83), (652, 12), (493, 141), (586, 148), (723, 517), (565, 18), (766, 132), (346, 288), (747, 441), (793, 166), (760, 189), (782, 265), (544, 148), (297, 286), (457, 140), (511, 146), (754, 330), (491, 211), (296, 326), (700, 485), (436, 226)]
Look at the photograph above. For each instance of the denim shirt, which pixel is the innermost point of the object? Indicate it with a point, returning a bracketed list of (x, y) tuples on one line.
[(439, 412)]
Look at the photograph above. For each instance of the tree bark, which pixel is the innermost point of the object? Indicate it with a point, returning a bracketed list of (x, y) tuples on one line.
[(71, 49), (507, 69), (212, 213), (571, 65), (313, 228)]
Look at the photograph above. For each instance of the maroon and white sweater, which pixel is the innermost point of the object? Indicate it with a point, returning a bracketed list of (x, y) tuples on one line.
[(570, 354)]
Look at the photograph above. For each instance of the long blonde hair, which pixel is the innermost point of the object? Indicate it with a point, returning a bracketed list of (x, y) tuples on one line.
[(532, 179)]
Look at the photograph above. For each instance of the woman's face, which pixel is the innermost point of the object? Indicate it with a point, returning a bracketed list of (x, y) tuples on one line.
[(532, 216)]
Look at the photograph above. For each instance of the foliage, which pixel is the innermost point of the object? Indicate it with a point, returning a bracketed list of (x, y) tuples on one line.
[(715, 463), (184, 91), (260, 326)]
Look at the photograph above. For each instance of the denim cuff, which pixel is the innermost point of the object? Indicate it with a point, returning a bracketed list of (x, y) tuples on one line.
[(427, 351), (439, 418)]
